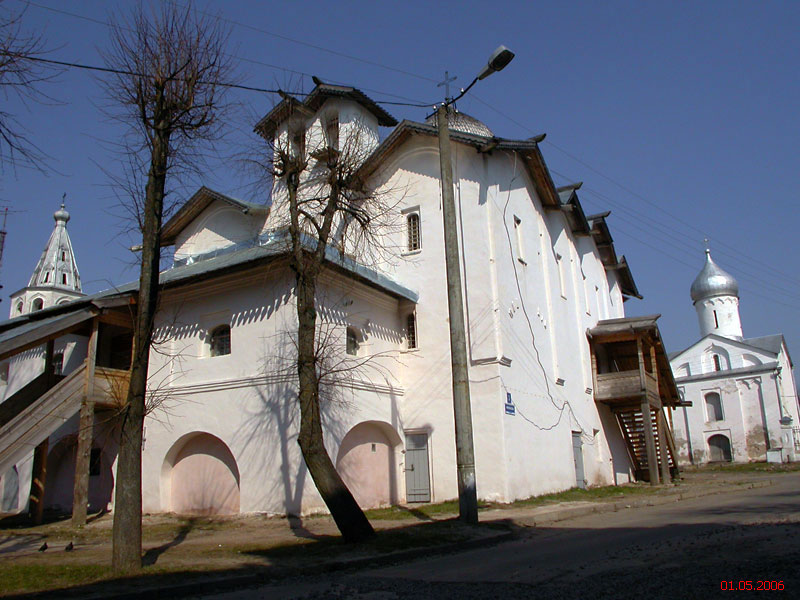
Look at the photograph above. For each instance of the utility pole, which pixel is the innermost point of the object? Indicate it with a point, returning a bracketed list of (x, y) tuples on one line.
[(465, 452), (462, 409)]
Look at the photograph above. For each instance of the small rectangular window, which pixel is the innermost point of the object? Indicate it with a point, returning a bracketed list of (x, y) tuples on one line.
[(332, 132), (352, 343), (411, 331), (297, 139), (412, 227), (58, 363), (717, 364)]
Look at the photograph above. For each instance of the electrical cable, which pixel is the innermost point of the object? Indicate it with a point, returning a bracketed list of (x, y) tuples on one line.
[(736, 252), (565, 402), (412, 102)]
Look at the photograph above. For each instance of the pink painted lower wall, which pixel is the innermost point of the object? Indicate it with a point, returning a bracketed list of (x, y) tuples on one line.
[(205, 479), (366, 464)]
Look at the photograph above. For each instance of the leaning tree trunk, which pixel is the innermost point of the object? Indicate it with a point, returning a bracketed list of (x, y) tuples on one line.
[(349, 517), (127, 531)]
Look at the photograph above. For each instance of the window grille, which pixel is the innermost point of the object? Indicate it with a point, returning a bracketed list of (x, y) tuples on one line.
[(221, 341), (352, 341), (411, 331), (412, 224)]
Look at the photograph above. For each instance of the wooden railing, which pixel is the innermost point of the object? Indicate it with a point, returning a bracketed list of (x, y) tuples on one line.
[(110, 386), (622, 384)]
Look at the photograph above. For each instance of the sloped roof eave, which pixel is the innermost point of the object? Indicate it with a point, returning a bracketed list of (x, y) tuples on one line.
[(195, 205)]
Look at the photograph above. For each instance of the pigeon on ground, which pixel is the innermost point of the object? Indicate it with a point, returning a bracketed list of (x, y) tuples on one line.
[(43, 547), (69, 547)]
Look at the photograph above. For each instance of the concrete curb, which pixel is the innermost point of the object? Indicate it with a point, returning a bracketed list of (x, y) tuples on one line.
[(263, 575)]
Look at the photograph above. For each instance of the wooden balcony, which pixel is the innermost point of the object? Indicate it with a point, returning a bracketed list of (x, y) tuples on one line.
[(110, 386), (624, 386)]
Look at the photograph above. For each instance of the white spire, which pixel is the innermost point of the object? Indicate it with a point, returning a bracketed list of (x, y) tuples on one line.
[(57, 268)]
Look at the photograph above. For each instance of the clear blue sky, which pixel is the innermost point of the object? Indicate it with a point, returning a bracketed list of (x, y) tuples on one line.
[(684, 118)]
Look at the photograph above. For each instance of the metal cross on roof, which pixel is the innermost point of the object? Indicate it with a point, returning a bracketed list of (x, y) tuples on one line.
[(446, 84)]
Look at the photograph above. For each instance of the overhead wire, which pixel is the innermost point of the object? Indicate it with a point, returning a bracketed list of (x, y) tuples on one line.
[(411, 101), (669, 242), (308, 44), (667, 237), (732, 250)]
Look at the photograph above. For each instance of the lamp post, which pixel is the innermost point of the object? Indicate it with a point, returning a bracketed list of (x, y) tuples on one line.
[(462, 411)]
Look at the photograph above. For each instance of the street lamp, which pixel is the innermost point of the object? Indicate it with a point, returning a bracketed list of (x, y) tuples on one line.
[(462, 411)]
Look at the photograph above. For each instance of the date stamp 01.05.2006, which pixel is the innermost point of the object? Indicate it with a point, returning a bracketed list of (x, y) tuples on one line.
[(755, 585)]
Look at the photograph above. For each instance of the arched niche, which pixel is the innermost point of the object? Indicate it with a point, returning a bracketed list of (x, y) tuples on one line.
[(367, 463), (200, 476), (719, 448)]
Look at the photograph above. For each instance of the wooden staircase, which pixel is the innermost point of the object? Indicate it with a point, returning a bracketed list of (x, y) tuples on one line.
[(631, 423), (36, 420)]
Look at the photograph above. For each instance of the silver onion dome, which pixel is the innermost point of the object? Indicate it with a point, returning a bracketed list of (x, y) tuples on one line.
[(459, 121), (61, 214), (713, 281)]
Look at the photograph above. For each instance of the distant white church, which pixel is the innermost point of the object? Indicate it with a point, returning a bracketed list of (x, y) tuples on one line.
[(552, 407), (744, 404)]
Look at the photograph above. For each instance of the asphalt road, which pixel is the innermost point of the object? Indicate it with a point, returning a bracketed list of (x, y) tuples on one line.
[(708, 547)]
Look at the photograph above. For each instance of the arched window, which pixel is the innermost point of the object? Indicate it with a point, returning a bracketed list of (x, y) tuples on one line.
[(19, 307), (719, 449), (411, 331), (717, 364), (38, 304), (412, 227), (713, 406), (220, 341), (352, 341)]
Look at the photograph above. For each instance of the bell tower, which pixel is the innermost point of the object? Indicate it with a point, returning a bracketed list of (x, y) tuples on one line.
[(715, 294), (55, 280)]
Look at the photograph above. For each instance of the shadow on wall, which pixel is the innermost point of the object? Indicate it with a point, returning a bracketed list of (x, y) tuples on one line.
[(269, 435), (10, 499)]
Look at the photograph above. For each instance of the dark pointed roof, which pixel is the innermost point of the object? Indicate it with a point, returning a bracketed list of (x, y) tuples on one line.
[(267, 125)]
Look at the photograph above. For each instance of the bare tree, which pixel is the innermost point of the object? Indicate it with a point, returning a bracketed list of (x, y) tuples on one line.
[(21, 72), (320, 198), (167, 87)]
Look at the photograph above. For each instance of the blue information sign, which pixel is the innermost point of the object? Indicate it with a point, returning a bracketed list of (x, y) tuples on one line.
[(510, 408)]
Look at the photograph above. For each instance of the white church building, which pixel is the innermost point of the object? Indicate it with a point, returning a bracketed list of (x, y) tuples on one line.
[(741, 391), (561, 381)]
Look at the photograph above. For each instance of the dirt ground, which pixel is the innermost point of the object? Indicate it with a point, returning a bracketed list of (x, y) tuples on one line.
[(247, 544)]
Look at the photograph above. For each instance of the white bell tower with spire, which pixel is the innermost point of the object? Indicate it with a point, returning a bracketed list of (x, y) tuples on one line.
[(715, 294), (55, 279)]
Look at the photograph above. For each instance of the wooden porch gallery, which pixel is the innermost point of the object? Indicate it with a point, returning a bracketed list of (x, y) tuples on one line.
[(632, 376), (98, 385)]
